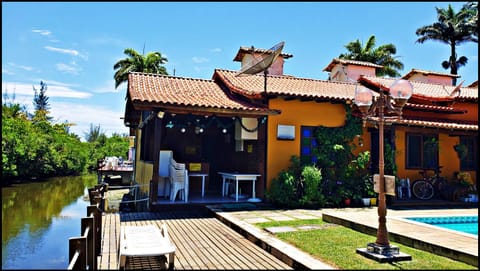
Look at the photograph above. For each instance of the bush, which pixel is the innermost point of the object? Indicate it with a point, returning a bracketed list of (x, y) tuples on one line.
[(312, 194), (298, 186)]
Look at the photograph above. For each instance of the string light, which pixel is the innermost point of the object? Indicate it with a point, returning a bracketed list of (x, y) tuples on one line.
[(207, 121)]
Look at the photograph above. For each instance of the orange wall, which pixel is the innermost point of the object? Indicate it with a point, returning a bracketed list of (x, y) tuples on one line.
[(298, 114), (447, 156), (472, 111)]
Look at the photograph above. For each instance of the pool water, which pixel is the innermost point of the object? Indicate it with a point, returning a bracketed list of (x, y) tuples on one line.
[(466, 224)]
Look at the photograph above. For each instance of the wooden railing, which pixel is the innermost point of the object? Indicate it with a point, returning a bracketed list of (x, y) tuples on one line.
[(83, 250)]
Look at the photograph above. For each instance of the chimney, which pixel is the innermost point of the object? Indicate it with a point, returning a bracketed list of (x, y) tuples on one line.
[(430, 77), (245, 54), (345, 70)]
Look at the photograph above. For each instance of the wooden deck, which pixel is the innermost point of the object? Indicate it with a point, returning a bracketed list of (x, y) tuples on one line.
[(202, 241)]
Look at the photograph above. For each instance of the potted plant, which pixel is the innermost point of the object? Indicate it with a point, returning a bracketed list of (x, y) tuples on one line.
[(470, 190), (366, 202), (345, 195), (462, 150), (368, 191)]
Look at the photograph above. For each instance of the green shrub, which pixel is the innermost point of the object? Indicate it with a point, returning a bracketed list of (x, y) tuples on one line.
[(312, 194), (298, 186)]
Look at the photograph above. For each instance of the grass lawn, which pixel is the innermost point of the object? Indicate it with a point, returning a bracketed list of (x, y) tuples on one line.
[(336, 245)]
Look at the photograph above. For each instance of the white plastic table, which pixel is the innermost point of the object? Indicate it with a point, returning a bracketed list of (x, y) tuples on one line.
[(203, 175), (238, 177), (144, 241)]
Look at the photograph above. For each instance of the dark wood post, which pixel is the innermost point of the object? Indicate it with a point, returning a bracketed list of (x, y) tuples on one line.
[(97, 215), (87, 227), (77, 245)]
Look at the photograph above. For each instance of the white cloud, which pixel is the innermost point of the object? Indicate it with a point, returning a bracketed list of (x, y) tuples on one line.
[(8, 72), (215, 50), (109, 87), (72, 68), (63, 51), (53, 90), (27, 68), (42, 32), (83, 115), (199, 60)]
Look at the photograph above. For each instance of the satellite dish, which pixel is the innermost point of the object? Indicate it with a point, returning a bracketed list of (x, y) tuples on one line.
[(261, 63)]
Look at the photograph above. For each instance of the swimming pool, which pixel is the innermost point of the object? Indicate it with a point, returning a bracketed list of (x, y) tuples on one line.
[(465, 224)]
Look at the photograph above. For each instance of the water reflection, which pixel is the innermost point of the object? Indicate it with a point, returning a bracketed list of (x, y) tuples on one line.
[(38, 218)]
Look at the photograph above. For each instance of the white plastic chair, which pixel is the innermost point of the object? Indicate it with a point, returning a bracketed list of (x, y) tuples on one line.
[(178, 181)]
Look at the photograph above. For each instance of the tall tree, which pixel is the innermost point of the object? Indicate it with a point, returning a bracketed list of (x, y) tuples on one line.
[(94, 134), (135, 62), (382, 55), (40, 102), (452, 28)]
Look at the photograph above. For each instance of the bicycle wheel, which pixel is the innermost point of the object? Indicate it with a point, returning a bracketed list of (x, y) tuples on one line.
[(422, 190)]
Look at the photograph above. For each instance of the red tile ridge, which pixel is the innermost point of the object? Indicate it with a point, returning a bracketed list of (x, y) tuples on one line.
[(425, 72), (335, 61)]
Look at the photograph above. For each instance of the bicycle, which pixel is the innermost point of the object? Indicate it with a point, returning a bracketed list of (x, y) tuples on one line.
[(429, 186)]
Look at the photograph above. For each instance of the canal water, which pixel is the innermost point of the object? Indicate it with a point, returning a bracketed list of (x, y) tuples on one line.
[(38, 218)]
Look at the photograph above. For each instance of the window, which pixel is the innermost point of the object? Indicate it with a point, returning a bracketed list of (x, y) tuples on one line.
[(469, 162), (307, 145), (422, 151)]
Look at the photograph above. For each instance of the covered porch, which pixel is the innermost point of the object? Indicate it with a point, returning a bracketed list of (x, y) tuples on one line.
[(206, 130), (224, 158)]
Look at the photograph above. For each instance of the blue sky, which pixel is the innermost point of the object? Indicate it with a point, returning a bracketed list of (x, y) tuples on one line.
[(72, 46)]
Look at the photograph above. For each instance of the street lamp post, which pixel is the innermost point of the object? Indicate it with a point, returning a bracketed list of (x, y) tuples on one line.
[(386, 106)]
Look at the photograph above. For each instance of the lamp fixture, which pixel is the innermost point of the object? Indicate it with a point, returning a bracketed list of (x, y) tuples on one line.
[(373, 109), (160, 114)]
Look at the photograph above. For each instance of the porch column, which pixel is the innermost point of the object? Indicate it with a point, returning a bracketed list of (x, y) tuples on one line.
[(156, 147)]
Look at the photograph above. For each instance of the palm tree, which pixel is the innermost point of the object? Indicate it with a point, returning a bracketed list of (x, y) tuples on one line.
[(452, 28), (472, 8), (94, 134), (135, 62), (382, 55)]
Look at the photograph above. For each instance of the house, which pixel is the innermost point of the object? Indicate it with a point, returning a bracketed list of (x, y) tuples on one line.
[(255, 123)]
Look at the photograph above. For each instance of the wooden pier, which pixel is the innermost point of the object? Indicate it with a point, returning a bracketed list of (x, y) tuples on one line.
[(202, 242)]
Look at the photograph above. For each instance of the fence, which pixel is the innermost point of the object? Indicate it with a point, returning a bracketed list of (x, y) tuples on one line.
[(83, 250)]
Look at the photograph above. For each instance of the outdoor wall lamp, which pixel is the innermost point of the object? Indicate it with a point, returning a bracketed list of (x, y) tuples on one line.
[(160, 114), (390, 101)]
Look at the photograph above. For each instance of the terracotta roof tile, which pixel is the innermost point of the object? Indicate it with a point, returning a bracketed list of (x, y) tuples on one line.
[(414, 71), (284, 85), (473, 85), (161, 90), (438, 124), (433, 90), (335, 61), (248, 50), (436, 108)]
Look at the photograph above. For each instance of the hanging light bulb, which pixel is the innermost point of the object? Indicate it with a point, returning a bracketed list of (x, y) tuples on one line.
[(182, 130), (224, 130)]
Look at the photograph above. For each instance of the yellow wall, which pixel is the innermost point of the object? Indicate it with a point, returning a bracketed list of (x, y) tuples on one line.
[(298, 114), (143, 171)]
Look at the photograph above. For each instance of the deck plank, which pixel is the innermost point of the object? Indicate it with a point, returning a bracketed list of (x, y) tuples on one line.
[(202, 241)]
